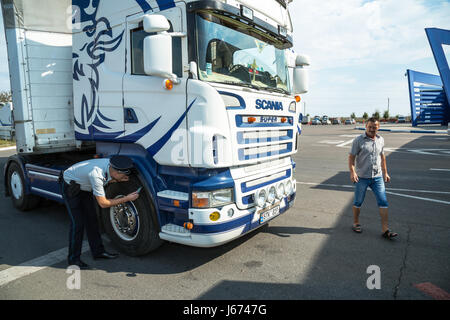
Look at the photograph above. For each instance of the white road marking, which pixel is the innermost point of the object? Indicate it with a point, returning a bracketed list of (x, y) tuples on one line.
[(345, 143), (432, 152), (390, 192), (418, 198), (433, 169), (331, 141), (35, 265), (387, 189), (8, 148)]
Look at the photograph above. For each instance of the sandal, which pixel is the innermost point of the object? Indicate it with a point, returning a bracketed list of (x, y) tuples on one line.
[(357, 228), (389, 235)]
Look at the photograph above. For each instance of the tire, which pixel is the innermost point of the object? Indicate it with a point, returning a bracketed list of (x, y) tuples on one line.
[(137, 233), (16, 185)]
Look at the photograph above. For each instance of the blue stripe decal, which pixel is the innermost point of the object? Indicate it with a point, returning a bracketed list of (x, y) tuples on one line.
[(162, 4), (144, 5), (245, 189), (222, 227), (154, 149), (165, 4)]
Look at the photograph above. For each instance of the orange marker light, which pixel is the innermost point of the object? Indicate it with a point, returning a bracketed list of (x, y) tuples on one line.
[(298, 99), (168, 84), (188, 225), (176, 203), (283, 120), (251, 119)]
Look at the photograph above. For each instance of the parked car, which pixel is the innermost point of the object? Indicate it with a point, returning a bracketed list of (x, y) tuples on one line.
[(401, 119), (348, 121), (336, 121), (316, 122), (306, 119)]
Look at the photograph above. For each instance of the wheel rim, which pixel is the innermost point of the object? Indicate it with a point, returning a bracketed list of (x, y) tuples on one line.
[(16, 185), (125, 220)]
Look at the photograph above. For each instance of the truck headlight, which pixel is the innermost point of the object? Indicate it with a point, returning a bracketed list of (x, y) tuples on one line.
[(272, 194), (212, 199), (289, 187), (260, 198), (280, 190)]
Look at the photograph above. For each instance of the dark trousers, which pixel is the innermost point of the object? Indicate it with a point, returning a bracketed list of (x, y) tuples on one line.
[(82, 213)]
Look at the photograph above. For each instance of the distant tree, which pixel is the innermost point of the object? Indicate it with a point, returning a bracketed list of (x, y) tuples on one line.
[(365, 116), (386, 115), (353, 115), (5, 96), (376, 114)]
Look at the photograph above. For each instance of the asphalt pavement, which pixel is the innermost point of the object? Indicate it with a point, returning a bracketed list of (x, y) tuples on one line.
[(309, 252)]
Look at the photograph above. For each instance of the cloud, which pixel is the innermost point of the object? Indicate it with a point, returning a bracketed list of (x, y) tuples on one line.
[(354, 32)]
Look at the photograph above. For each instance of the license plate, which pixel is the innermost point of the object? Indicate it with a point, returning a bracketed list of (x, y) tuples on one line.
[(268, 119), (269, 214)]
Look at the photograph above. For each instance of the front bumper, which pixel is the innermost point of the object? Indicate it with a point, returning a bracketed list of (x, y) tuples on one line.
[(210, 234)]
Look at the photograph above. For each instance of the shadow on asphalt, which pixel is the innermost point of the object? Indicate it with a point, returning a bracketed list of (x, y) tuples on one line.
[(338, 271)]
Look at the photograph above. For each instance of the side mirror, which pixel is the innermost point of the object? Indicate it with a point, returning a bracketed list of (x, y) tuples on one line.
[(155, 23), (158, 55), (157, 47), (301, 75)]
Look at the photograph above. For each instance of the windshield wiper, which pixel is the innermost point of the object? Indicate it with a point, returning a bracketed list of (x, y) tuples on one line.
[(242, 84), (250, 85), (276, 90)]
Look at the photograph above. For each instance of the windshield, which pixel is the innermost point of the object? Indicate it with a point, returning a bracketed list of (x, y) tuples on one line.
[(234, 53)]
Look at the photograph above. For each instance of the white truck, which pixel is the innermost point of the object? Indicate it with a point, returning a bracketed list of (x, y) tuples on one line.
[(202, 95)]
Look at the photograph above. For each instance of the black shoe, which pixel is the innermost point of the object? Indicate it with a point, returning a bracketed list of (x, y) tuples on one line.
[(106, 255), (80, 264)]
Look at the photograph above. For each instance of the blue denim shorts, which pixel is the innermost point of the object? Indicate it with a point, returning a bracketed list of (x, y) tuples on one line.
[(377, 186)]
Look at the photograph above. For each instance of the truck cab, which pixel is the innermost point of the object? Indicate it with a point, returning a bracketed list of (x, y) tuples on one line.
[(202, 95)]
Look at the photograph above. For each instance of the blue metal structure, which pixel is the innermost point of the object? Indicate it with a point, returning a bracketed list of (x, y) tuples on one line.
[(430, 94)]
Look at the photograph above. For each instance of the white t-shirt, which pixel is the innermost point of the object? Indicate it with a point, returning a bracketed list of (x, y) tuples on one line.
[(91, 175)]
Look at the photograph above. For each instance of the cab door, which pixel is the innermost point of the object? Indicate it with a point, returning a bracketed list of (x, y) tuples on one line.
[(155, 117)]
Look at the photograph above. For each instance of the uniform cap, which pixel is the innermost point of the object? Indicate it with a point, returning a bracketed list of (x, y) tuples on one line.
[(123, 164)]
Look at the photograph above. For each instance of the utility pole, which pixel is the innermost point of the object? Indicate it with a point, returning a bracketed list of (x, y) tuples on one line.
[(388, 104)]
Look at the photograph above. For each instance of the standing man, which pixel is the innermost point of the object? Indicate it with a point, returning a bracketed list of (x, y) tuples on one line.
[(368, 151), (82, 182)]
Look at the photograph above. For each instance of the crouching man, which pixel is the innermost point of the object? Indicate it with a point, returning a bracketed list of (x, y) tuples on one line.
[(81, 184)]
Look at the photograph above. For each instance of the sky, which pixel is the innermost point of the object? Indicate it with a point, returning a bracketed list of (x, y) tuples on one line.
[(359, 51)]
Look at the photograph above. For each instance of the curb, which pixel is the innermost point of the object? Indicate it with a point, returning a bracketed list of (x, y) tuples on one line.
[(8, 148), (408, 131)]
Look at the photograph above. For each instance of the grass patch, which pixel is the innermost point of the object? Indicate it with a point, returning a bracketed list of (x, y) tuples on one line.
[(6, 143)]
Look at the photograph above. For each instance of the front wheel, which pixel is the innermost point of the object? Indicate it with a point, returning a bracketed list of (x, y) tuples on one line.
[(16, 185), (131, 226)]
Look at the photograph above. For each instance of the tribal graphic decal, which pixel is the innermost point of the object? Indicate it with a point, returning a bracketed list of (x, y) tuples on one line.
[(90, 122), (91, 118)]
